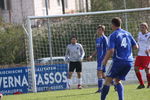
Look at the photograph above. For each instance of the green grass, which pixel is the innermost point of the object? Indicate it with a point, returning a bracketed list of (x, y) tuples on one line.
[(131, 93)]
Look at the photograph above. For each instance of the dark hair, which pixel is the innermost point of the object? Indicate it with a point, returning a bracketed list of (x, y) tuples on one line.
[(116, 21), (101, 26), (73, 36)]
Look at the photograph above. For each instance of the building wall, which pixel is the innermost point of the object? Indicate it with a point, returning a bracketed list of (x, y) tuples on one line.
[(38, 7), (18, 12), (55, 8), (20, 9), (72, 6)]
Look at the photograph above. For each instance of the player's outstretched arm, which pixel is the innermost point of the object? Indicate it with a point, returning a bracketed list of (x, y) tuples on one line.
[(93, 54)]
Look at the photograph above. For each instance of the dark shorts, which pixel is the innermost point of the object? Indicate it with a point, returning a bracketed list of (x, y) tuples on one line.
[(119, 70), (75, 66), (99, 63)]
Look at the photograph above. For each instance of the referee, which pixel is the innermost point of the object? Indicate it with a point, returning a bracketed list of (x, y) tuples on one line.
[(74, 55)]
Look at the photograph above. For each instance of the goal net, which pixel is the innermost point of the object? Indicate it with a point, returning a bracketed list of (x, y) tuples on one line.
[(49, 36)]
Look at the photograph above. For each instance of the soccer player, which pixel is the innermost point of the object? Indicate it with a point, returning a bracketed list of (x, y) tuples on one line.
[(74, 55), (143, 59), (101, 48), (120, 45)]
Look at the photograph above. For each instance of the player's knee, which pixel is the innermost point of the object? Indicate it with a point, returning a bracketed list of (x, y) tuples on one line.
[(100, 74), (147, 70), (69, 75), (104, 77), (108, 81), (79, 74), (136, 69), (117, 81)]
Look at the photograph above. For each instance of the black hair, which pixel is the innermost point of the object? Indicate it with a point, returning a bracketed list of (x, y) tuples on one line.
[(116, 21), (73, 36)]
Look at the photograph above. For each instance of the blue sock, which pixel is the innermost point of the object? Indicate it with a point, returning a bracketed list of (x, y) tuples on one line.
[(120, 90), (100, 83), (104, 92)]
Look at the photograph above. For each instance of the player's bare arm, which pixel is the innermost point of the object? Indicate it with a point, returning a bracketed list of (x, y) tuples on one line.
[(93, 54)]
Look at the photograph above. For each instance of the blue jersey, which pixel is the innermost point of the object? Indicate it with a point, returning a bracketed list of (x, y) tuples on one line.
[(101, 47), (122, 41)]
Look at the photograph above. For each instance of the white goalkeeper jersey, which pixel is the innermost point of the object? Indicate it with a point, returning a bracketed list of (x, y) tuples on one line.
[(144, 43), (74, 52)]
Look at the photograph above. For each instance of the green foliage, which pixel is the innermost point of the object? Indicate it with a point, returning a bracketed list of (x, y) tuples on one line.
[(41, 43), (12, 44), (101, 5)]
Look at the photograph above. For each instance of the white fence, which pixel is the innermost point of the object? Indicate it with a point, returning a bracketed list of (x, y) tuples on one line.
[(89, 74)]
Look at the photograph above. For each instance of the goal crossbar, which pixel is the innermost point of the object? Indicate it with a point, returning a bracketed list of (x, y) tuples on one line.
[(91, 13)]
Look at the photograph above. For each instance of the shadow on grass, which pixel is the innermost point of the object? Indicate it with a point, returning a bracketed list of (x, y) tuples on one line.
[(74, 95)]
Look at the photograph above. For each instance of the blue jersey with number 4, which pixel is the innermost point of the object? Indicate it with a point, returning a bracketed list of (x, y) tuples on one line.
[(122, 41)]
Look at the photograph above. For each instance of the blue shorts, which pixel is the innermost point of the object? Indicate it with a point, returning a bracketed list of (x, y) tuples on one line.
[(99, 67), (119, 69)]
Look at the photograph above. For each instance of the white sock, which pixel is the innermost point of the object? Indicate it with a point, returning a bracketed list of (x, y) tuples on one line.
[(79, 81), (69, 82)]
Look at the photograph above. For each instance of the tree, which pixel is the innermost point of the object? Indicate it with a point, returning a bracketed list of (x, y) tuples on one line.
[(101, 5), (12, 44)]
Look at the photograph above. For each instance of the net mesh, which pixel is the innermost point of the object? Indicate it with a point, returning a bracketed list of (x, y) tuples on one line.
[(51, 35), (62, 28)]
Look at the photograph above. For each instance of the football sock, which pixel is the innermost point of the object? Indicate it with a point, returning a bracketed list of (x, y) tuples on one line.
[(148, 78), (120, 90), (79, 81), (100, 83), (68, 83), (139, 76), (104, 92)]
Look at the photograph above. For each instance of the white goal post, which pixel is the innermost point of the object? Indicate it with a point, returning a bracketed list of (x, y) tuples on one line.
[(53, 32)]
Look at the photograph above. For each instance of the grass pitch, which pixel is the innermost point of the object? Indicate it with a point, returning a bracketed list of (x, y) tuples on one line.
[(131, 93)]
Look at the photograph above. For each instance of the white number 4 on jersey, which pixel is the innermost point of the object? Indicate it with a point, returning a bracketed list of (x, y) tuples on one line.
[(124, 42)]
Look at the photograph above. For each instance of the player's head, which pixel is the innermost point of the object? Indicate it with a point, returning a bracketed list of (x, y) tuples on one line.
[(116, 23), (144, 27), (100, 29), (73, 39)]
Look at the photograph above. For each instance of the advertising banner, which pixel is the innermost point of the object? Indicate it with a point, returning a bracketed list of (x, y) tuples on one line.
[(48, 78)]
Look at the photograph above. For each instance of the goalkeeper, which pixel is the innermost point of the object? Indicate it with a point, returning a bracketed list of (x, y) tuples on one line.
[(74, 55)]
